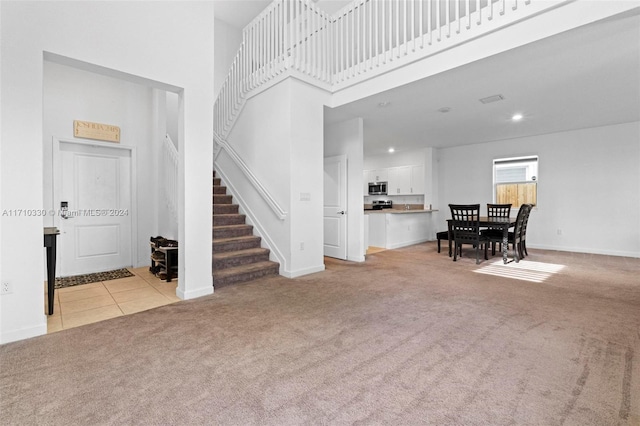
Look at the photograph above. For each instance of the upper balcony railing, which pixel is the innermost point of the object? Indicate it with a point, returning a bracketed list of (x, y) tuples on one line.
[(366, 37)]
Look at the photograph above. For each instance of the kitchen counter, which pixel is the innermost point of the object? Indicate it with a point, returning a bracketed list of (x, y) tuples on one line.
[(397, 227), (398, 211)]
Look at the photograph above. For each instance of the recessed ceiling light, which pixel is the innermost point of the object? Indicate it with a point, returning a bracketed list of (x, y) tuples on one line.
[(444, 109), (517, 117), (392, 150), (384, 104)]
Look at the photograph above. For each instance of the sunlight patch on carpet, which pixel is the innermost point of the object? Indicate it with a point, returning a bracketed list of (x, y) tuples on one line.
[(524, 270)]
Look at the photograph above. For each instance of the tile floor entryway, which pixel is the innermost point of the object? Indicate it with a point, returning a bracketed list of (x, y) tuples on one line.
[(372, 249), (88, 303)]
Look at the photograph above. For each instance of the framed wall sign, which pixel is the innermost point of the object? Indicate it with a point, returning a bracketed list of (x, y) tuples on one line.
[(98, 131)]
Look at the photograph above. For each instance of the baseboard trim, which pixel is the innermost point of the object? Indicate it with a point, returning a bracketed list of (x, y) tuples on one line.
[(301, 272), (24, 333), (193, 294), (407, 243), (585, 250)]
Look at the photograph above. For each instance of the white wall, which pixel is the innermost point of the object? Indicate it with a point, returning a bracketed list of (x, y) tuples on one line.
[(172, 103), (227, 43), (395, 159), (279, 136), (167, 119), (307, 177), (588, 187), (264, 149), (167, 45), (73, 94), (347, 138)]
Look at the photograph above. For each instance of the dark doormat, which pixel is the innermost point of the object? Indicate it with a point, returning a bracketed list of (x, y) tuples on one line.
[(92, 278)]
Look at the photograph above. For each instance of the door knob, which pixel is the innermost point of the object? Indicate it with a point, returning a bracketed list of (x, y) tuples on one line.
[(341, 212)]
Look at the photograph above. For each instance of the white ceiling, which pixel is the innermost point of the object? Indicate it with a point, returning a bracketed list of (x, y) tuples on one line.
[(239, 13), (586, 77)]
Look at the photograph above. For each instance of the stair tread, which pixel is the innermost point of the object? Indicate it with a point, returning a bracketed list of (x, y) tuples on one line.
[(235, 226), (245, 260), (233, 239), (253, 267), (245, 252)]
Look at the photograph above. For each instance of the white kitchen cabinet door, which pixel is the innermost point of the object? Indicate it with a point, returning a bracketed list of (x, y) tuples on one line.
[(399, 180), (377, 230), (417, 180), (379, 175), (407, 229)]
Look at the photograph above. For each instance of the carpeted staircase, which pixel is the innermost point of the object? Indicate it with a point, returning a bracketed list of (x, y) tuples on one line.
[(237, 255)]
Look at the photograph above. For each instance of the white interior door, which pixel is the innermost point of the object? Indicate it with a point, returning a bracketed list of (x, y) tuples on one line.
[(92, 193), (335, 207)]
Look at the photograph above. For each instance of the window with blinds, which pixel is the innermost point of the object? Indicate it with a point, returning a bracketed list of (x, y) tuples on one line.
[(515, 181)]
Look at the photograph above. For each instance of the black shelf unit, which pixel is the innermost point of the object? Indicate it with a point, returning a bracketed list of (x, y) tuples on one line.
[(169, 264)]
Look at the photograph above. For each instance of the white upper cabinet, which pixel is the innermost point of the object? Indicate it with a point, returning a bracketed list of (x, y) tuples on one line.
[(417, 179), (378, 175), (399, 180), (406, 180)]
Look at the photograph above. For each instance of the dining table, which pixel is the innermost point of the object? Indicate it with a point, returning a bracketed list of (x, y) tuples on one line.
[(503, 223)]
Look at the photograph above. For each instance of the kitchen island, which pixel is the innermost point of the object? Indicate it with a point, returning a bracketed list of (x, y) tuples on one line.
[(398, 227)]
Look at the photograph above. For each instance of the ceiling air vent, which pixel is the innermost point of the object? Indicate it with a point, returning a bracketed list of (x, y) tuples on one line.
[(489, 99)]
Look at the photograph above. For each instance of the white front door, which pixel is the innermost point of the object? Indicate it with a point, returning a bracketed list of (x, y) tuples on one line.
[(92, 186), (335, 207)]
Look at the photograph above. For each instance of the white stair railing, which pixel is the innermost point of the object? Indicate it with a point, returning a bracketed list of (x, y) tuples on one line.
[(371, 33), (170, 175), (287, 35), (268, 198)]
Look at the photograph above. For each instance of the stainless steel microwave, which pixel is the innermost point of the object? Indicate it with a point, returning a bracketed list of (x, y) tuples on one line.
[(377, 188)]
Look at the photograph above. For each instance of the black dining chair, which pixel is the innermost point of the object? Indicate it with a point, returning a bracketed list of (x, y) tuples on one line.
[(494, 235), (465, 226), (518, 237), (443, 235), (523, 231)]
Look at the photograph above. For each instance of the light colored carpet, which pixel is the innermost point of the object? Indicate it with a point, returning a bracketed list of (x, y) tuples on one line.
[(409, 337)]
